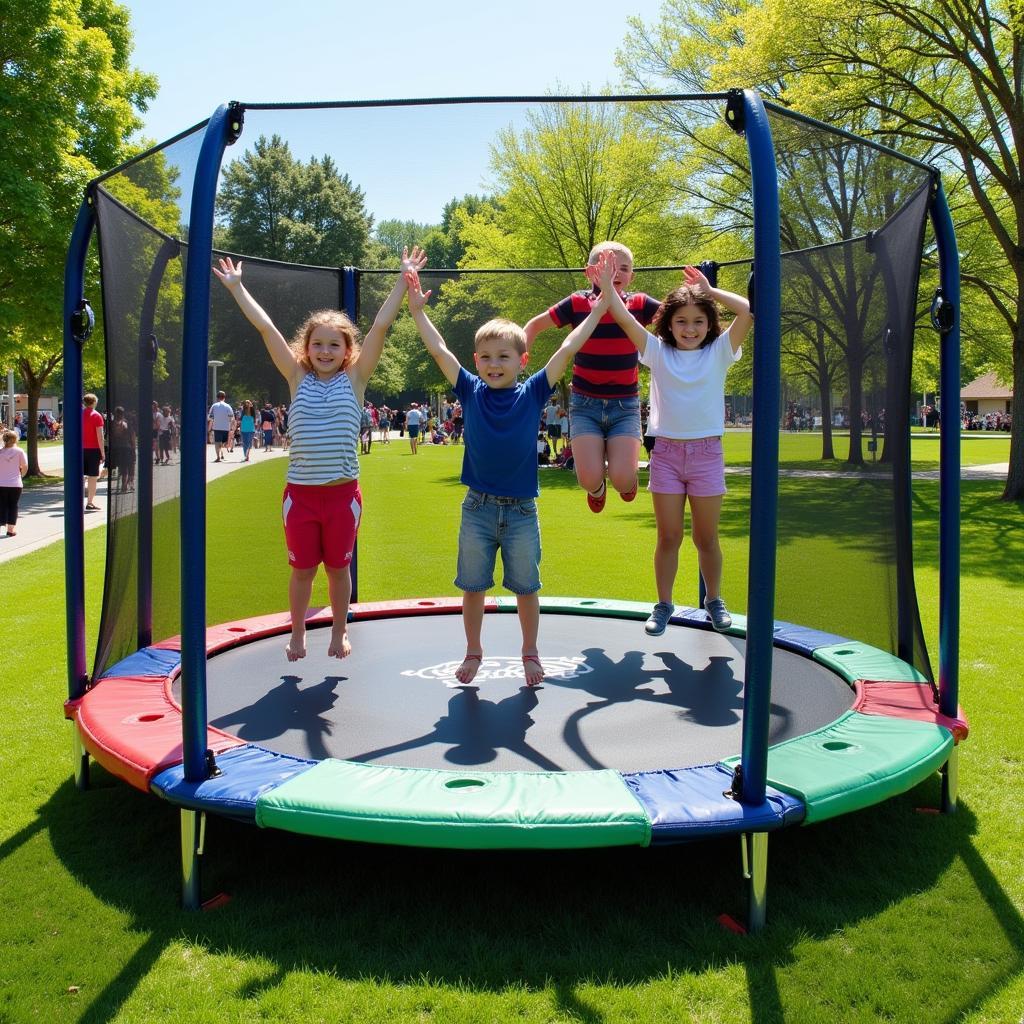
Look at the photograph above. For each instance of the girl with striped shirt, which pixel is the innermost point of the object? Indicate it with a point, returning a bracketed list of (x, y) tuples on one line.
[(322, 504)]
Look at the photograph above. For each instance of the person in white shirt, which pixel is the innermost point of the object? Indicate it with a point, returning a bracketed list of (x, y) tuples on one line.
[(220, 421), (688, 355)]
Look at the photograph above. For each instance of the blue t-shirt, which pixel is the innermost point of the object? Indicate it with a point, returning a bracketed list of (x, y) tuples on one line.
[(500, 456)]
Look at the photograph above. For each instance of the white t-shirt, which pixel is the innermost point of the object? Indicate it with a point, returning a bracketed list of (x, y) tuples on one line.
[(688, 387), (413, 418), (222, 414)]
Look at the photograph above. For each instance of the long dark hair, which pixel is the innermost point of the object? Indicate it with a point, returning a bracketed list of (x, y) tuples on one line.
[(684, 295)]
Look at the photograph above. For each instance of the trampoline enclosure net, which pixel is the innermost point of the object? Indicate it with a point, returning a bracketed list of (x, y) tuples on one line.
[(853, 222)]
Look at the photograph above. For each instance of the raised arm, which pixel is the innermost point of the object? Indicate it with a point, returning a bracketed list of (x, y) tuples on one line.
[(541, 322), (373, 343), (736, 304), (432, 340), (579, 336), (602, 274), (287, 363)]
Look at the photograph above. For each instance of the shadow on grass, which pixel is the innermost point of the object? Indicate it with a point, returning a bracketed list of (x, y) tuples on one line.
[(487, 921)]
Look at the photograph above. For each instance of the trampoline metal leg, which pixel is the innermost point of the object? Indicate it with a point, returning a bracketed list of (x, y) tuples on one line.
[(755, 870), (81, 756), (950, 781), (193, 828)]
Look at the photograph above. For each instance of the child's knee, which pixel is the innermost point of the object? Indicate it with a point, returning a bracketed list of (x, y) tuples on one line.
[(304, 575)]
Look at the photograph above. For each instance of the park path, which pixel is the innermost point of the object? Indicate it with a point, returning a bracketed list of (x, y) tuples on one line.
[(41, 512)]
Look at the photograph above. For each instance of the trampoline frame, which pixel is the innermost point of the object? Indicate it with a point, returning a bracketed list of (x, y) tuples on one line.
[(746, 113)]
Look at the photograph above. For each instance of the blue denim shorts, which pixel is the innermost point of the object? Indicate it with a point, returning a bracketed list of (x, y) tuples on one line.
[(609, 417), (489, 525)]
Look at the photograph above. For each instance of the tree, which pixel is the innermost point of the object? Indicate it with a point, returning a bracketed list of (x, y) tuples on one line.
[(69, 102), (273, 206), (957, 69)]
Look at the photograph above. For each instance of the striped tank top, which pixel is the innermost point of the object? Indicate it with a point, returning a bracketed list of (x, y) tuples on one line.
[(323, 428)]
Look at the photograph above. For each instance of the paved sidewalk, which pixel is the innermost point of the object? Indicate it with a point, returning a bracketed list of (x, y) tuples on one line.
[(41, 510)]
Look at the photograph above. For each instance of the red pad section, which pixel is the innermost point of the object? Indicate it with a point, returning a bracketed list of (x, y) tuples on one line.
[(422, 606), (907, 700), (132, 728)]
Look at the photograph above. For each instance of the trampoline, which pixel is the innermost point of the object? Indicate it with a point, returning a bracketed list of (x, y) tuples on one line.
[(631, 740)]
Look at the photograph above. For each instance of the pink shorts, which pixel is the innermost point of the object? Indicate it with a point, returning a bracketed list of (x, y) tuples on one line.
[(688, 467), (320, 523)]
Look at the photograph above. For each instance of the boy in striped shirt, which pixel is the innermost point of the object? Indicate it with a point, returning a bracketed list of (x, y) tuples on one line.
[(604, 409)]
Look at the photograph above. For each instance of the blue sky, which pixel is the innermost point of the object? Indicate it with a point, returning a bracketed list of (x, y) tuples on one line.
[(408, 162)]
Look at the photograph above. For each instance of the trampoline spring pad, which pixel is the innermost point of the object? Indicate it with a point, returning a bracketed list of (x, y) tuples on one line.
[(857, 761), (854, 660), (690, 803), (245, 774), (455, 809)]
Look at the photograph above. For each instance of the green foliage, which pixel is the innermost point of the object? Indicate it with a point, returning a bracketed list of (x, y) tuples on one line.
[(69, 101), (277, 207)]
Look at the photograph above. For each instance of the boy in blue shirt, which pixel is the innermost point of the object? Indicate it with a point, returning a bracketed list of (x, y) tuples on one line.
[(499, 466)]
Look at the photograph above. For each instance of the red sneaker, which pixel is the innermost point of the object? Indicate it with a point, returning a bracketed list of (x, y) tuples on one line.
[(631, 493), (596, 502)]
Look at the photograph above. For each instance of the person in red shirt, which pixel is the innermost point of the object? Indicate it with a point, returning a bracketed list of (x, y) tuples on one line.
[(604, 409), (93, 451)]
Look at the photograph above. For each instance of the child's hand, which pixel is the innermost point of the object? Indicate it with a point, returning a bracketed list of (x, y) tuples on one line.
[(697, 281), (417, 299), (230, 276), (592, 272), (414, 261), (605, 268)]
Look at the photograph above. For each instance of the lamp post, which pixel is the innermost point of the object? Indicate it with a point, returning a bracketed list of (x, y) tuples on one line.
[(214, 363)]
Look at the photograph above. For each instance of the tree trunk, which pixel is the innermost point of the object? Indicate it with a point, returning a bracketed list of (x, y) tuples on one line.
[(1014, 490), (827, 451), (34, 379), (856, 389)]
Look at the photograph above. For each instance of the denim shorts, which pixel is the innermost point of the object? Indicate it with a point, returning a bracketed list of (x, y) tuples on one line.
[(688, 467), (609, 417), (491, 524)]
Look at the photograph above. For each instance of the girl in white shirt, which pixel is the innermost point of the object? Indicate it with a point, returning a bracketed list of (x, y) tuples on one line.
[(689, 355), (13, 466)]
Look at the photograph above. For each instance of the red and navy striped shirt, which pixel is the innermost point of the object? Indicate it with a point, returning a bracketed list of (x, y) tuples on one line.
[(606, 366)]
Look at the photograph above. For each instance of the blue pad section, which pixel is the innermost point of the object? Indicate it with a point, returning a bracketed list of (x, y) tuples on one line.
[(699, 617), (246, 773), (803, 639), (150, 661), (689, 803)]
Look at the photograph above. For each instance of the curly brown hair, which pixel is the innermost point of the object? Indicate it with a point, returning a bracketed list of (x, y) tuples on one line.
[(325, 318), (684, 295)]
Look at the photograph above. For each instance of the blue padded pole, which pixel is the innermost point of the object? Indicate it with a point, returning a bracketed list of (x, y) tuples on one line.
[(350, 305), (949, 458), (193, 446), (764, 477), (74, 491)]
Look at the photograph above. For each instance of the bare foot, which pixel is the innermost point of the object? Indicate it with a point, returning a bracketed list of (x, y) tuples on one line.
[(296, 646), (467, 671), (340, 647), (533, 669)]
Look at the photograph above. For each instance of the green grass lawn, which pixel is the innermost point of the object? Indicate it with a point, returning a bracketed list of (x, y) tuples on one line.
[(887, 914)]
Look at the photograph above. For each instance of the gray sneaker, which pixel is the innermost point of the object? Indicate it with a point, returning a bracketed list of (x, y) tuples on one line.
[(656, 624), (721, 620)]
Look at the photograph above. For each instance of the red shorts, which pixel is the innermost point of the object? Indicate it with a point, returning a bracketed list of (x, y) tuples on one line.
[(688, 467), (320, 523)]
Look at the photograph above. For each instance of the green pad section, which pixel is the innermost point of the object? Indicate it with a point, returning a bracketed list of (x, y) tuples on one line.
[(854, 660), (465, 810), (857, 761), (585, 606)]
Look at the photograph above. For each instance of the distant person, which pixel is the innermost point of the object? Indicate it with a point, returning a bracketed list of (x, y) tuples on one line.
[(247, 426), (13, 467), (413, 419), (93, 449), (499, 468), (220, 420), (122, 451), (322, 505), (268, 421)]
